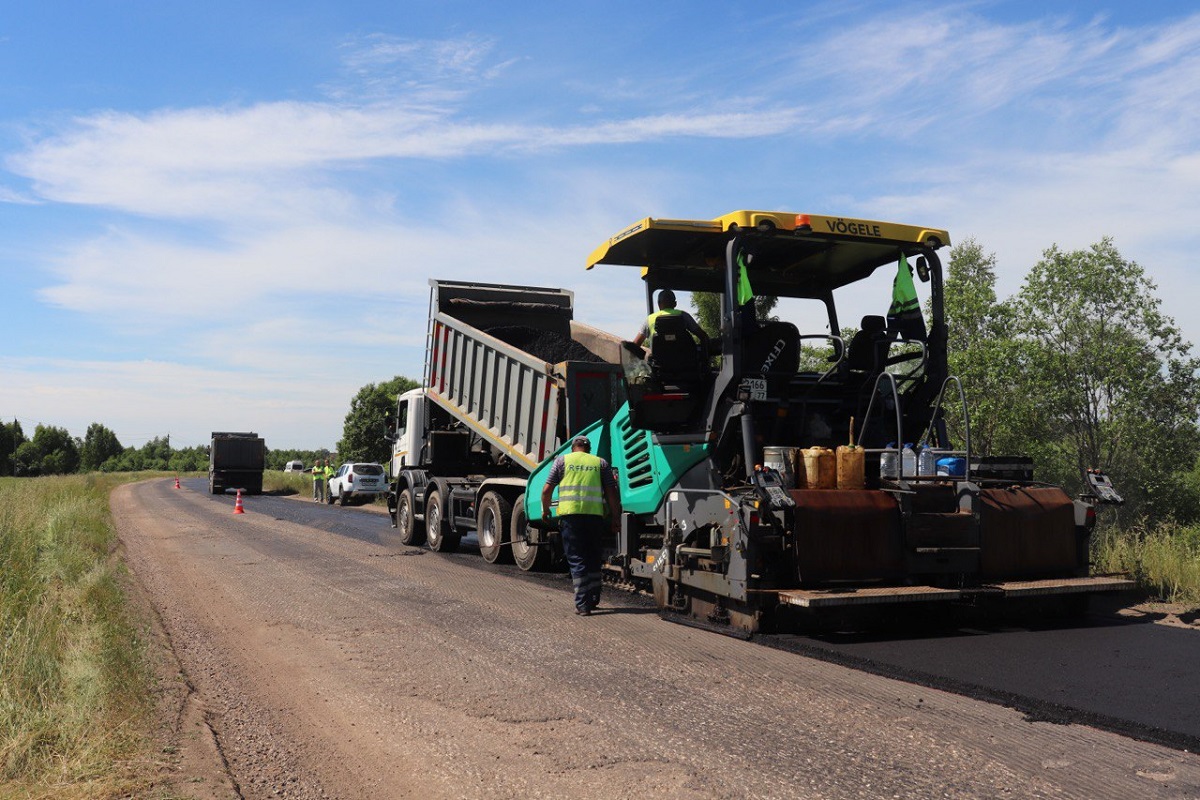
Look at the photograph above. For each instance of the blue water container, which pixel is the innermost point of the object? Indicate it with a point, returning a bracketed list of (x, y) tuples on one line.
[(952, 467)]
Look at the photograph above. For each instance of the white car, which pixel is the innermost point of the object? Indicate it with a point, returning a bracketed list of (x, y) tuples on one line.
[(294, 467), (356, 481)]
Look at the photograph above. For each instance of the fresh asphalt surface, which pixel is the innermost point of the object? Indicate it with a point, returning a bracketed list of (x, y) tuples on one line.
[(1129, 676)]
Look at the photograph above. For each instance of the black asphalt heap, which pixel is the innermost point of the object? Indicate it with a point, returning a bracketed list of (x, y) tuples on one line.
[(550, 347)]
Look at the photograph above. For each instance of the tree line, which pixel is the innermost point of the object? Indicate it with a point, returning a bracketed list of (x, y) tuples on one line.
[(53, 451)]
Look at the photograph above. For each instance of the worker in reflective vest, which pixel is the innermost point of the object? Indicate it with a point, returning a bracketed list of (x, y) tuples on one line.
[(666, 308), (327, 474), (585, 484), (318, 473)]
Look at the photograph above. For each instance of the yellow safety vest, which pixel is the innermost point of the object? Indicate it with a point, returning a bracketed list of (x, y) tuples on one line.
[(580, 491), (666, 312)]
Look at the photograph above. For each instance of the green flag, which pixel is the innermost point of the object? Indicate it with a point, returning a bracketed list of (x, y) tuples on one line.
[(904, 315), (744, 293)]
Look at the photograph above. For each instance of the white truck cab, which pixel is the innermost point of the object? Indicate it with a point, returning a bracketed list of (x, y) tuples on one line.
[(410, 430)]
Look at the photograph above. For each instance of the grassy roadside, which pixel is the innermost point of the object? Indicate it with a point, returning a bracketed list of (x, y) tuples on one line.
[(74, 688), (1165, 559)]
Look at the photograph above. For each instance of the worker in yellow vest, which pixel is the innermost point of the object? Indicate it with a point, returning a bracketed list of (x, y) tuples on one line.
[(318, 473), (585, 483), (666, 308), (326, 474)]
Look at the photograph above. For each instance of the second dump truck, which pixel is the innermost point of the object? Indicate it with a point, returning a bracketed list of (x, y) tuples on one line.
[(716, 521), (236, 460)]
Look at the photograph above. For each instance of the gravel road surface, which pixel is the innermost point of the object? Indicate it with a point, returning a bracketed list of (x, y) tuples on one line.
[(314, 658)]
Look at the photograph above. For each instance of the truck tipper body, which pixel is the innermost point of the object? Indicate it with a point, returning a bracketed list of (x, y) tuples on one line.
[(720, 519), (508, 375), (236, 461)]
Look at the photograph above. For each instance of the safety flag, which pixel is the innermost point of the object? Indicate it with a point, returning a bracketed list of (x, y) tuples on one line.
[(904, 316), (744, 293)]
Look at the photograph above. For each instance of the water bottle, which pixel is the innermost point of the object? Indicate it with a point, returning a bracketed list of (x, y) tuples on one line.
[(908, 460), (888, 468), (927, 461)]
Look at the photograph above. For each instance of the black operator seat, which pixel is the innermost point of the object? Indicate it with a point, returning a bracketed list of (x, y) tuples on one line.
[(675, 356), (868, 349), (773, 349)]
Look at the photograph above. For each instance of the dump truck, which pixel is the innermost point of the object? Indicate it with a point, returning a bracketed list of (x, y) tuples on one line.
[(716, 520), (508, 375), (236, 461)]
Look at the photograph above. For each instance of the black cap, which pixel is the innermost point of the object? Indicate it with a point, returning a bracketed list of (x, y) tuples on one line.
[(582, 441), (666, 298)]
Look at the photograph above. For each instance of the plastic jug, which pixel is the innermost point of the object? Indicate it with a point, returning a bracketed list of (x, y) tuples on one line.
[(889, 464), (927, 461), (820, 468), (850, 467), (851, 464), (908, 460)]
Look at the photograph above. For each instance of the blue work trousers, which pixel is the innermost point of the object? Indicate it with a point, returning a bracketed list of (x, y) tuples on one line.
[(582, 535)]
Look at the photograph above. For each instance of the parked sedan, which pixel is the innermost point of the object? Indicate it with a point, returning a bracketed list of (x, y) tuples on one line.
[(356, 482)]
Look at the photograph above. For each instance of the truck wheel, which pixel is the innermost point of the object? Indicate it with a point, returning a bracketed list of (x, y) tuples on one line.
[(529, 557), (341, 498), (329, 494), (495, 517), (438, 534), (412, 531)]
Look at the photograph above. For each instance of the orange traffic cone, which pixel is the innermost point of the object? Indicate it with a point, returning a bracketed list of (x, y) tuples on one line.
[(177, 483), (237, 505)]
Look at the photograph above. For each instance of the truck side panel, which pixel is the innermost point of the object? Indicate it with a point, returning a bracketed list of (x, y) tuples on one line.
[(504, 395)]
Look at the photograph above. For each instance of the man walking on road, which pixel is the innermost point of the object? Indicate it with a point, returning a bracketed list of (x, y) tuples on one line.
[(318, 473), (585, 482)]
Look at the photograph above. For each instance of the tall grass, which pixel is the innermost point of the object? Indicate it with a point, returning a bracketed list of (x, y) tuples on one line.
[(73, 685), (1164, 558)]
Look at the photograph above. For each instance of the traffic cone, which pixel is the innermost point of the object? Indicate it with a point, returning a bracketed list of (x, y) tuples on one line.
[(177, 483), (237, 505)]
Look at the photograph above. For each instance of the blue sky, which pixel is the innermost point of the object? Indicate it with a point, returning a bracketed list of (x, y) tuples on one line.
[(223, 216)]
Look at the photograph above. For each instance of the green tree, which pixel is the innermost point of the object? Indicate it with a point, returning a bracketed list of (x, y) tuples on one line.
[(11, 437), (51, 451), (1114, 382), (708, 310), (99, 445), (189, 459), (364, 433), (986, 355)]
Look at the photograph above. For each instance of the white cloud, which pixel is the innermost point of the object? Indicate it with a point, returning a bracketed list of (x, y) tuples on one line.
[(142, 399)]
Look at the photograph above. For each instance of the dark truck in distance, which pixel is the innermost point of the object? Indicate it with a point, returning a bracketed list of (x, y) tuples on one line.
[(236, 461)]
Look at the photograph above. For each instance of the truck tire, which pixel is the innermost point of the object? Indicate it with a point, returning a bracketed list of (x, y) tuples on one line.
[(328, 494), (341, 498), (412, 530), (438, 533), (492, 528), (529, 557)]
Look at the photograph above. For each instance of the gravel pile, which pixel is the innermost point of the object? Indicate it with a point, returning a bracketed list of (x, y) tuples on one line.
[(550, 347)]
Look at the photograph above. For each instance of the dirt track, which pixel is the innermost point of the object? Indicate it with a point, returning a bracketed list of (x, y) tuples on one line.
[(328, 665)]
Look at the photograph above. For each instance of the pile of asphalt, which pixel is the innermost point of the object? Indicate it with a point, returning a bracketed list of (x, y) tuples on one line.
[(548, 346)]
